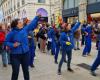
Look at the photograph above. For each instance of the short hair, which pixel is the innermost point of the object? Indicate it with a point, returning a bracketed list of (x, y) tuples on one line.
[(0, 26), (14, 23)]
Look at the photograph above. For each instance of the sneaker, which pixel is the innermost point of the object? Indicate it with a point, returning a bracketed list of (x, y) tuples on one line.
[(89, 54), (32, 66), (78, 48), (75, 49), (59, 72), (65, 61), (70, 70), (56, 62), (4, 65), (93, 73), (35, 57), (84, 55)]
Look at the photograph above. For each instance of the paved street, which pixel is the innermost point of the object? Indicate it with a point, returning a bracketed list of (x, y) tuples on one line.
[(45, 69)]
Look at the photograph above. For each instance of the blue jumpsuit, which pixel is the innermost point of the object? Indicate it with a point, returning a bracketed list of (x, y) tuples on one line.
[(97, 61), (31, 48), (88, 41), (67, 49), (83, 34), (54, 44)]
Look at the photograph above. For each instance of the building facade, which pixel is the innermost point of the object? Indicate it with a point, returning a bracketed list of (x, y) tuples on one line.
[(80, 9), (26, 8), (57, 10)]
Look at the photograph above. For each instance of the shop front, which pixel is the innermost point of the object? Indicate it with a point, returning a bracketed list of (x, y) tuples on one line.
[(93, 11), (70, 15)]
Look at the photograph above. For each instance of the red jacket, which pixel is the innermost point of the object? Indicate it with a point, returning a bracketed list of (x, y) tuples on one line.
[(2, 37)]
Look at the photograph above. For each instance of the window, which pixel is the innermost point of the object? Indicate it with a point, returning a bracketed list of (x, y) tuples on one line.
[(23, 2), (66, 4), (76, 3), (14, 7), (98, 0), (91, 1), (41, 1), (18, 4), (71, 4)]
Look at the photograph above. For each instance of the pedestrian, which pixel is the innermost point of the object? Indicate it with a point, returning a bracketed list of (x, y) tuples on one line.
[(67, 44), (43, 37), (53, 35), (97, 60), (88, 40), (83, 34), (17, 40), (31, 44), (77, 40), (2, 46)]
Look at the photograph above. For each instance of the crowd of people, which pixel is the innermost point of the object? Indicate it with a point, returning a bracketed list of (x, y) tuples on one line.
[(19, 40)]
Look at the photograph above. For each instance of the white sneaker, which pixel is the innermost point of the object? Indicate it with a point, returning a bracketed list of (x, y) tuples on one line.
[(35, 58)]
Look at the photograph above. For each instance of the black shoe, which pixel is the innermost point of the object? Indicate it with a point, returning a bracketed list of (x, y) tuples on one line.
[(93, 73), (70, 70), (65, 61), (56, 62), (32, 66), (84, 55), (59, 72), (75, 49), (78, 48), (4, 65)]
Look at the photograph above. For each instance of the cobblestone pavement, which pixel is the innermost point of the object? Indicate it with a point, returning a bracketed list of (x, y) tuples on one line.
[(45, 69)]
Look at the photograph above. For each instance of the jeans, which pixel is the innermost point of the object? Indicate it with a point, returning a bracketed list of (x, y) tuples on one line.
[(4, 57), (69, 55), (16, 60)]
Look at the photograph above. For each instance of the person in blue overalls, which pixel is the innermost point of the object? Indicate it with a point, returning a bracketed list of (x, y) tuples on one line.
[(31, 44), (67, 44), (53, 35), (32, 48), (97, 61), (83, 34), (88, 40)]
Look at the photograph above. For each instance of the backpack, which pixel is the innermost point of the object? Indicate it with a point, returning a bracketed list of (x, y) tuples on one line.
[(2, 37)]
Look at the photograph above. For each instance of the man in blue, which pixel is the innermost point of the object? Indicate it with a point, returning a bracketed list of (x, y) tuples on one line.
[(97, 61), (55, 46), (83, 33), (67, 44), (18, 42), (31, 44), (88, 39)]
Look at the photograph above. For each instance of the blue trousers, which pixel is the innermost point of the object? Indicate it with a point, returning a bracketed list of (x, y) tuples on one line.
[(53, 47), (57, 51), (69, 55), (4, 57), (96, 62), (87, 48), (32, 55), (16, 60)]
